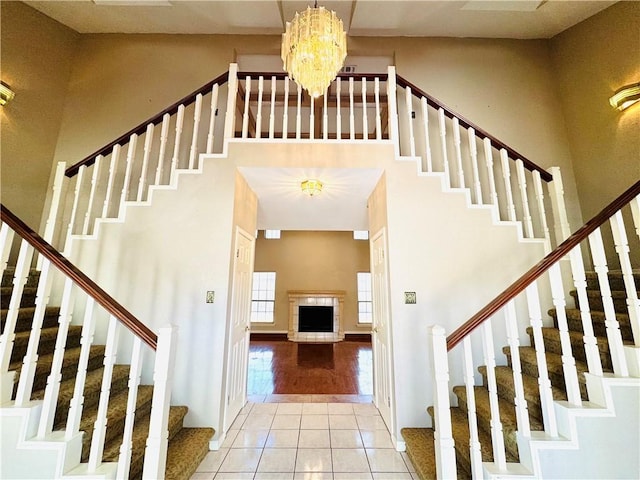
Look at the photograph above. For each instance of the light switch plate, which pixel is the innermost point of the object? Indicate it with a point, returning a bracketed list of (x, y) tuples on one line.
[(211, 295), (409, 297)]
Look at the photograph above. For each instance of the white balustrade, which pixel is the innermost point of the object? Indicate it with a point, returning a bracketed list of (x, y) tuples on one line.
[(164, 135), (92, 194), (488, 160), (526, 212), (506, 178), (475, 453), (457, 145), (408, 100), (6, 241), (148, 140), (56, 194), (247, 102), (232, 94), (522, 413), (393, 110), (124, 195), (325, 117), (272, 112), (259, 114), (473, 154), (635, 214), (299, 112), (285, 114), (175, 159), (113, 165), (212, 118), (193, 151), (312, 118), (539, 192), (443, 145), (376, 91), (365, 121), (338, 109), (74, 210), (425, 132), (352, 116)]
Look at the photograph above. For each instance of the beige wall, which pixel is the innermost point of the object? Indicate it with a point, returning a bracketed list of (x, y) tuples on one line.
[(313, 261), (592, 60), (36, 57)]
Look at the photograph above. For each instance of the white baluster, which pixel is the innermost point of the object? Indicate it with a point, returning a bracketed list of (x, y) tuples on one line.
[(164, 135), (425, 125), (6, 241), (506, 177), (497, 438), (614, 337), (338, 113), (365, 120), (133, 142), (474, 441), (272, 114), (392, 99), (245, 116), (312, 118), (409, 107), (100, 425), (74, 210), (635, 214), (55, 377), (193, 151), (212, 119), (522, 414), (526, 212), (155, 455), (376, 92), (30, 361), (488, 159), (124, 459), (544, 384), (50, 225), (298, 112), (86, 340), (352, 117), (443, 145), (285, 114), (572, 386), (92, 193), (259, 114), (537, 187), (232, 94), (622, 248), (457, 145), (444, 444), (145, 161), (325, 117), (176, 145), (473, 152), (21, 274), (113, 165), (556, 189)]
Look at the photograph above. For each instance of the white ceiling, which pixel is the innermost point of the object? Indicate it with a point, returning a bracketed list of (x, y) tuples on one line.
[(475, 18)]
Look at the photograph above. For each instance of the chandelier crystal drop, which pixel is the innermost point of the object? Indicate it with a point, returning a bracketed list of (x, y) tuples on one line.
[(314, 47)]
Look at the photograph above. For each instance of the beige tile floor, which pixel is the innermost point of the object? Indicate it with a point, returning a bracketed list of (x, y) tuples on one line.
[(310, 441)]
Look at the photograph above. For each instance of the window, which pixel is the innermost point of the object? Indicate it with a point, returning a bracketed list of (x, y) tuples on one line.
[(272, 234), (365, 305), (361, 235), (263, 297)]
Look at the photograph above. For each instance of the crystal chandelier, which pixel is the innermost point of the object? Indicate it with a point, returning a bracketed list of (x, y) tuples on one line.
[(314, 47)]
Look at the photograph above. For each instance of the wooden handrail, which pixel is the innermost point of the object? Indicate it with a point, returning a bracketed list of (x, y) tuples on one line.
[(547, 262), (140, 129), (400, 81), (75, 274)]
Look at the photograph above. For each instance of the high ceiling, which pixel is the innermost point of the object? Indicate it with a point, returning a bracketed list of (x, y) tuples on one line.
[(523, 19)]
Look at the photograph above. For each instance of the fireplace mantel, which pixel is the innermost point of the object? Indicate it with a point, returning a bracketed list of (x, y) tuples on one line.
[(331, 298)]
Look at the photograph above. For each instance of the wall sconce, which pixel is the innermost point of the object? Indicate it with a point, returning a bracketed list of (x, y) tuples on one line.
[(6, 93), (626, 96), (311, 187)]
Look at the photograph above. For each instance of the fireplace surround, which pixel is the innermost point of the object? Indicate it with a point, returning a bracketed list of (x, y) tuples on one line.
[(316, 298)]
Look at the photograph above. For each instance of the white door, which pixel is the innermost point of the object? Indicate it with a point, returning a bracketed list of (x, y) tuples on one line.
[(239, 325), (380, 338)]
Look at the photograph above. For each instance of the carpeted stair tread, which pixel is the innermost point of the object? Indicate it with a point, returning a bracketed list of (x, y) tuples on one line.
[(421, 450), (47, 341), (9, 272), (574, 322), (594, 298), (116, 415), (506, 390), (186, 450), (616, 281), (25, 318), (27, 300), (140, 433)]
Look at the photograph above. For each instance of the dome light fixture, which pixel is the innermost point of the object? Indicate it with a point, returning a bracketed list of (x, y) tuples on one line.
[(312, 187)]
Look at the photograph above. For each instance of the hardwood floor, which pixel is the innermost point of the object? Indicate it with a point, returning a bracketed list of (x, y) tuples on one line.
[(278, 367)]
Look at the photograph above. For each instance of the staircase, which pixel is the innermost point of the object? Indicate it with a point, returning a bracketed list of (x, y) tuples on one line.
[(187, 446)]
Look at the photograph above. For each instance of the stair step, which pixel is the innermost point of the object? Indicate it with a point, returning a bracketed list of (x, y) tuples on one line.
[(506, 390), (9, 273), (616, 282), (574, 322), (552, 344), (28, 296), (140, 433), (421, 450), (186, 450), (25, 318), (595, 300), (554, 366), (47, 341)]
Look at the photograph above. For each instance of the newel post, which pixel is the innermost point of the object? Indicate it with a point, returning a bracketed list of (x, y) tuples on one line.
[(392, 101), (155, 456), (52, 219), (232, 95), (445, 452), (558, 206)]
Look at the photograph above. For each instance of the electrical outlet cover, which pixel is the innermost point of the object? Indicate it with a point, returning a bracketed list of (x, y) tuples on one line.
[(211, 295), (409, 297)]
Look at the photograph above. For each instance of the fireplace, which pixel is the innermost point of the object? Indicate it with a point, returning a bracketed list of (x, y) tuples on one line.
[(316, 315)]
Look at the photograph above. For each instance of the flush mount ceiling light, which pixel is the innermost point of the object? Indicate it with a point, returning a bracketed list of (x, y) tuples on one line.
[(626, 96), (311, 187), (314, 46), (6, 93)]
